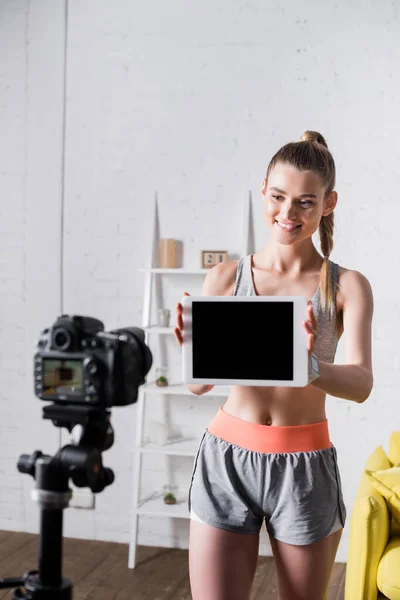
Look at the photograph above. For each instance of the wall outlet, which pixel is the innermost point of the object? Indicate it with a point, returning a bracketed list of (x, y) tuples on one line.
[(82, 498)]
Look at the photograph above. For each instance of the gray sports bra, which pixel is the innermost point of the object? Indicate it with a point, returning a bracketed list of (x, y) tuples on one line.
[(326, 344)]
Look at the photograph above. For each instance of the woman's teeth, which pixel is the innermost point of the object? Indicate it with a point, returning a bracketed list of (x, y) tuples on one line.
[(288, 227)]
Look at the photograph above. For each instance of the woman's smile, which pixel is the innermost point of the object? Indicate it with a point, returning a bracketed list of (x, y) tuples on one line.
[(288, 228)]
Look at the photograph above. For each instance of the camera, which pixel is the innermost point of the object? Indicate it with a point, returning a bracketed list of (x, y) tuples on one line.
[(77, 362), (83, 371)]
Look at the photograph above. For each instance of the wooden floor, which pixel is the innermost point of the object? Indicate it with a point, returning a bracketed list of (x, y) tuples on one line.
[(99, 570)]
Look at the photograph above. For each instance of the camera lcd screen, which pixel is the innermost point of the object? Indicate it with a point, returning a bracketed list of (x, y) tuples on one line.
[(62, 377), (225, 335)]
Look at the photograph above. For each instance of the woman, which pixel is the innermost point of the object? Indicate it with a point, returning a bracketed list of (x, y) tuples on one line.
[(267, 453)]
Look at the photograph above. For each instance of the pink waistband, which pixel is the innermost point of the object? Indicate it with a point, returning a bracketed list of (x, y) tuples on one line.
[(270, 438)]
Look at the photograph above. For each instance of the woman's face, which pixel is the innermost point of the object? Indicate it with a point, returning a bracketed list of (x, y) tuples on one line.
[(296, 199)]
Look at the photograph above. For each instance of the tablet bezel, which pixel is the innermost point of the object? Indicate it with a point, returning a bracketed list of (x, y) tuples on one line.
[(300, 351)]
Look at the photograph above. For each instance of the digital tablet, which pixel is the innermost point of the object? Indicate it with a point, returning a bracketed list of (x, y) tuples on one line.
[(245, 340)]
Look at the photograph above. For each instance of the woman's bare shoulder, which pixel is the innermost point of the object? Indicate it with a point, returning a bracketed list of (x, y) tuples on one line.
[(351, 277), (352, 284), (220, 280)]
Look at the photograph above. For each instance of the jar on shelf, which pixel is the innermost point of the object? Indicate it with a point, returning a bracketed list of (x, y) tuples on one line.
[(161, 376), (159, 432), (163, 317)]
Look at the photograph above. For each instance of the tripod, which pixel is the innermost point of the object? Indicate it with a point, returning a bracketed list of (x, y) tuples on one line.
[(80, 461)]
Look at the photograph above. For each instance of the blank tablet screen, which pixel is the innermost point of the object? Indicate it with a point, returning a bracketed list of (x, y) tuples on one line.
[(243, 340)]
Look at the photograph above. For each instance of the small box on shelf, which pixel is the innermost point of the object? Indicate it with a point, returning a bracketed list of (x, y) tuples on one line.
[(210, 258)]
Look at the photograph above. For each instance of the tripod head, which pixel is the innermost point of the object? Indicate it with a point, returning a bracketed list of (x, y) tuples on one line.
[(81, 460)]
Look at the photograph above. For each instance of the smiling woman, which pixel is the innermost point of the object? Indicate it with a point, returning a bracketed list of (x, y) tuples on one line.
[(267, 454)]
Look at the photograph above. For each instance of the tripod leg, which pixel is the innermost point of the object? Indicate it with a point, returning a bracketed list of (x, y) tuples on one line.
[(50, 546)]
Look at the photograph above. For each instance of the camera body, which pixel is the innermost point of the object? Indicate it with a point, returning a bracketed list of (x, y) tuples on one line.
[(77, 362)]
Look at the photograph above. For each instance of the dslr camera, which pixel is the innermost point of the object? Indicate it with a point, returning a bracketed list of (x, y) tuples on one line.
[(77, 362)]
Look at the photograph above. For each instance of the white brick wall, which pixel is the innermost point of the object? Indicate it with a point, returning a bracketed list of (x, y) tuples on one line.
[(192, 103)]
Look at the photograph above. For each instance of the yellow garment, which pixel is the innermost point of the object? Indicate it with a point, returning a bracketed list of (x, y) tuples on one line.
[(373, 565), (369, 533), (388, 577), (387, 482), (394, 448), (394, 456)]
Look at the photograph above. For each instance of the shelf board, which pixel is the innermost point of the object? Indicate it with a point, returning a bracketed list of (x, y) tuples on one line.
[(184, 447), (181, 389), (179, 271), (155, 507), (157, 329)]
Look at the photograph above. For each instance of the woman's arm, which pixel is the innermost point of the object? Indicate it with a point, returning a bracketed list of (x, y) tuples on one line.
[(350, 382), (353, 380)]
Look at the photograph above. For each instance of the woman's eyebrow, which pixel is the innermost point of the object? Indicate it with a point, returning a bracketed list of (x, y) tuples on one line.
[(300, 196)]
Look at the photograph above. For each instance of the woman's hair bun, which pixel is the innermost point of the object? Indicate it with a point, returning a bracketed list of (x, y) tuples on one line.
[(313, 136)]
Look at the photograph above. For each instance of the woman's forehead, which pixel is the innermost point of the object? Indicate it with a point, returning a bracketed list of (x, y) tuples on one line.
[(288, 180)]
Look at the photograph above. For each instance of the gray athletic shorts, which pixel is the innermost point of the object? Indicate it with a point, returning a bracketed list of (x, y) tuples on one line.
[(298, 492)]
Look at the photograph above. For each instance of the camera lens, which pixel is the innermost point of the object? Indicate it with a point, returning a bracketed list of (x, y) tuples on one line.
[(61, 339)]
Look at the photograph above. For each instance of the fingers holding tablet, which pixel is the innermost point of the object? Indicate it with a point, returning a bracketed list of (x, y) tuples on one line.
[(179, 322), (310, 327)]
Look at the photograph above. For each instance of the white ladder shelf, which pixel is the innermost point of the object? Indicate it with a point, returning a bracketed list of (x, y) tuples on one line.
[(154, 506)]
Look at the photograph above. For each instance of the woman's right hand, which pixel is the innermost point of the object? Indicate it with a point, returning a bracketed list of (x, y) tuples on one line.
[(178, 331)]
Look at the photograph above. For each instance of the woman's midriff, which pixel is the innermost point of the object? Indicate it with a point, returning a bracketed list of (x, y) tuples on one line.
[(276, 406)]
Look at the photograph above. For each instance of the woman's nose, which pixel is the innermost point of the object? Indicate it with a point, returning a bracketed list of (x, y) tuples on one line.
[(289, 213)]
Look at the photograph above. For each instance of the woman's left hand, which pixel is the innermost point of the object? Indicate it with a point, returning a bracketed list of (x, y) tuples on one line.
[(310, 327)]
